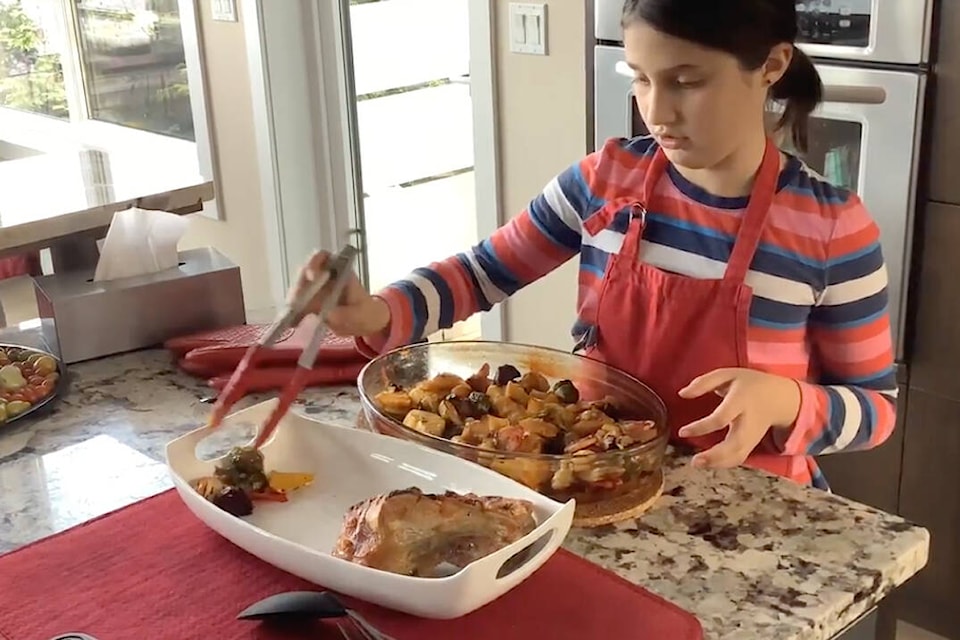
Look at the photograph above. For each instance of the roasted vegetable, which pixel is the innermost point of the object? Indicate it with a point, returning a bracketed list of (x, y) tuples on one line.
[(533, 381), (480, 381), (475, 405), (243, 468), (506, 373), (283, 481), (425, 422), (240, 480), (234, 501), (394, 402), (566, 392), (514, 412)]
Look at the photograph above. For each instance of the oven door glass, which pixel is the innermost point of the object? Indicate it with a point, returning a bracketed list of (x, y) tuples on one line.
[(834, 149)]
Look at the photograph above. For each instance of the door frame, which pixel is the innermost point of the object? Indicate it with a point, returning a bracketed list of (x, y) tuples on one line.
[(301, 80)]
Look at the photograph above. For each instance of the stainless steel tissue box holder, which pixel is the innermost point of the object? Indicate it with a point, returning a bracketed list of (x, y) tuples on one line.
[(84, 319)]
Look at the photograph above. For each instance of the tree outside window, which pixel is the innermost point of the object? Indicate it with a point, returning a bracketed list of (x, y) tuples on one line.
[(134, 67), (31, 71), (129, 53)]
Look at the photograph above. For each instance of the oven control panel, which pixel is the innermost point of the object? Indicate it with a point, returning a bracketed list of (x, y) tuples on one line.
[(835, 22)]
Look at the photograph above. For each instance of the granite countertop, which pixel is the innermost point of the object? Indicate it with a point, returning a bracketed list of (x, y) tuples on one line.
[(752, 556)]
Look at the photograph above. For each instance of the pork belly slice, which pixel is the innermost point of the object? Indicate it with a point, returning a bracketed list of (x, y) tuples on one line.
[(413, 533)]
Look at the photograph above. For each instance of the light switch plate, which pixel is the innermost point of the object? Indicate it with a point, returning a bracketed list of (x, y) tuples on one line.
[(224, 10), (528, 28)]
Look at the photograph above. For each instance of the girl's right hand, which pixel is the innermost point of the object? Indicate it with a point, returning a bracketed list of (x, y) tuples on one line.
[(357, 313)]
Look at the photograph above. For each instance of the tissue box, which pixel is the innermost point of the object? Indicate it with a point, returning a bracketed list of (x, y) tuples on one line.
[(94, 319)]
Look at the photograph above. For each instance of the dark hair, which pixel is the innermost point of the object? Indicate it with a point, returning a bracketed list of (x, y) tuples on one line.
[(748, 30)]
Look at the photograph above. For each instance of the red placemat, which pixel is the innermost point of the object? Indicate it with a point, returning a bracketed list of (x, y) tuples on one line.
[(152, 570)]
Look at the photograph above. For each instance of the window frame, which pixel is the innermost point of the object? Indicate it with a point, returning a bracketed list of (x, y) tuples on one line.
[(50, 135)]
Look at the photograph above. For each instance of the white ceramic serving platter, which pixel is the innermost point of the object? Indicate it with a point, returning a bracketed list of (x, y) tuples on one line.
[(351, 465)]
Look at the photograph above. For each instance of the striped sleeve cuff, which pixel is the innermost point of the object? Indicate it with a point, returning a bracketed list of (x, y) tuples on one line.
[(398, 334), (809, 424)]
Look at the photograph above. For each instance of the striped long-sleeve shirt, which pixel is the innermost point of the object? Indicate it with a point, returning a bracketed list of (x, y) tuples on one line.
[(819, 310)]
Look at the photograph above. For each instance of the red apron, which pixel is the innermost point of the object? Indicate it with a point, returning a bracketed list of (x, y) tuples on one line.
[(667, 329)]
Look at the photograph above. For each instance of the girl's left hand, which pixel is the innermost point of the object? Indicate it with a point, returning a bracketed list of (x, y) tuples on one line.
[(753, 402)]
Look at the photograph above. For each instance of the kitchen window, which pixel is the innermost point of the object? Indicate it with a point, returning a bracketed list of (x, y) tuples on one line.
[(103, 73)]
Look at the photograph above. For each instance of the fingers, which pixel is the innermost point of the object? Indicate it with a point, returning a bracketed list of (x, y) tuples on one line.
[(728, 411), (309, 272), (729, 453), (716, 381), (356, 312)]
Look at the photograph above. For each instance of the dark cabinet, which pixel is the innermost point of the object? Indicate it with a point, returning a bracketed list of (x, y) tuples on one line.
[(930, 496), (945, 139), (871, 477), (916, 473), (935, 357), (930, 477)]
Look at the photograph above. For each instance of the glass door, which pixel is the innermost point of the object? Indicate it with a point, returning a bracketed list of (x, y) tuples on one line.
[(414, 136), (375, 122)]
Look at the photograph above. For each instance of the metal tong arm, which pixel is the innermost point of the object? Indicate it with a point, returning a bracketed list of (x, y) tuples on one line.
[(339, 273)]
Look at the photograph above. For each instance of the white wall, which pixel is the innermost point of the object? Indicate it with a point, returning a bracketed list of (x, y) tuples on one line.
[(543, 127)]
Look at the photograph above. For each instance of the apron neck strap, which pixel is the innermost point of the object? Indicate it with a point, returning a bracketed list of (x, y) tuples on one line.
[(755, 217), (751, 225), (638, 216)]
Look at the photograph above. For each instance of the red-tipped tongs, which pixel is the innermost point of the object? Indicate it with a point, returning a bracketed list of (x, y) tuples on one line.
[(338, 270)]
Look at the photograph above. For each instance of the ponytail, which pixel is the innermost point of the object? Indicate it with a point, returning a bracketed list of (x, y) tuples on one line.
[(801, 90)]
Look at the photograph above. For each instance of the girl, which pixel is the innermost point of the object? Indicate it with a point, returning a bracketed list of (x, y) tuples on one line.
[(736, 282)]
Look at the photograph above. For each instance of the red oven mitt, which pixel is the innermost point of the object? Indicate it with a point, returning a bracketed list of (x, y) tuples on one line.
[(215, 354), (243, 336), (26, 264), (227, 356), (274, 378)]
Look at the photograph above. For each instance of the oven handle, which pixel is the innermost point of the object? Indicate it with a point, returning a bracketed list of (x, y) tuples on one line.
[(854, 94), (838, 93)]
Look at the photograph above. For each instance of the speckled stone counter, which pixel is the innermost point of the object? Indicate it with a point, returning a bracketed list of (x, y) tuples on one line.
[(752, 556)]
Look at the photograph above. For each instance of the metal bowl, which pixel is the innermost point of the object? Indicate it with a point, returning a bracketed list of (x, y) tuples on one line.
[(636, 469), (44, 403)]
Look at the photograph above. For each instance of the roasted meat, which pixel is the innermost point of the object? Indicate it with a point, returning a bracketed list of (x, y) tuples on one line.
[(412, 533)]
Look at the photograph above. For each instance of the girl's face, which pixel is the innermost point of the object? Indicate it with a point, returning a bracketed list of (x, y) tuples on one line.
[(699, 103)]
